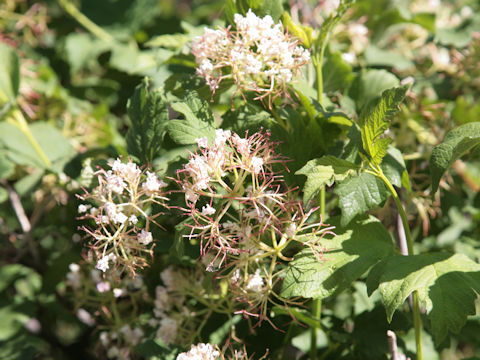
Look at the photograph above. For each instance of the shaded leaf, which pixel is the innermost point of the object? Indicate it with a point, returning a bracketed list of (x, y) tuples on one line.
[(148, 113), (446, 283)]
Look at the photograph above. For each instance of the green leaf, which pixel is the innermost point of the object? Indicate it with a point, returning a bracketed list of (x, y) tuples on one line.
[(198, 121), (323, 172), (81, 51), (373, 122), (393, 166), (369, 85), (348, 256), (7, 167), (9, 74), (148, 113), (359, 194), (337, 74), (375, 56), (169, 41), (446, 284), (457, 142), (129, 59), (304, 33), (19, 150)]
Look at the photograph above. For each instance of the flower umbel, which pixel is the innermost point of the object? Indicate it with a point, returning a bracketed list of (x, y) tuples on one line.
[(247, 222), (121, 206), (258, 56)]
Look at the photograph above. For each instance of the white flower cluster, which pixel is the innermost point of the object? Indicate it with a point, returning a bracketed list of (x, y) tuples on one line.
[(120, 343), (259, 56), (172, 318), (120, 210), (244, 216), (200, 352)]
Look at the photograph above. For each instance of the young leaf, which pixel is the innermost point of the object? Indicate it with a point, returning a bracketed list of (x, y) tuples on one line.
[(304, 33), (323, 172), (373, 122), (456, 143), (446, 283), (359, 194), (198, 121), (348, 256), (148, 114)]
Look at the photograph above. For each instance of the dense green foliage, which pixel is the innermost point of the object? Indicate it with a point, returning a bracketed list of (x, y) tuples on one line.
[(366, 163)]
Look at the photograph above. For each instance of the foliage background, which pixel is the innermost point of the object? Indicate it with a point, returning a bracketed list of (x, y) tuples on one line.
[(73, 92)]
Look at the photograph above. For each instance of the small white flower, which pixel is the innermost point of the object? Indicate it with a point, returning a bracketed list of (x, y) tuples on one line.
[(202, 142), (74, 268), (255, 282), (104, 338), (115, 183), (133, 219), (102, 264), (242, 145), (85, 317), (208, 210), (256, 164), (161, 302), (117, 292), (113, 352), (82, 208), (137, 335), (221, 136), (200, 352), (120, 218), (152, 184), (145, 237), (103, 286), (167, 330)]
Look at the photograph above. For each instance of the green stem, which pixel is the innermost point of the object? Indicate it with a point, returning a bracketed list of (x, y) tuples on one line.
[(20, 122), (318, 62), (317, 303), (316, 312), (85, 22), (417, 320)]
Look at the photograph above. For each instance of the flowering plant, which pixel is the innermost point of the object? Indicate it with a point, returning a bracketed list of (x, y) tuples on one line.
[(290, 180)]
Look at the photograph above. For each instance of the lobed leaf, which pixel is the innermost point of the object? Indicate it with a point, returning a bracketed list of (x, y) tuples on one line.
[(198, 121), (446, 283), (347, 257), (457, 142), (324, 172)]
